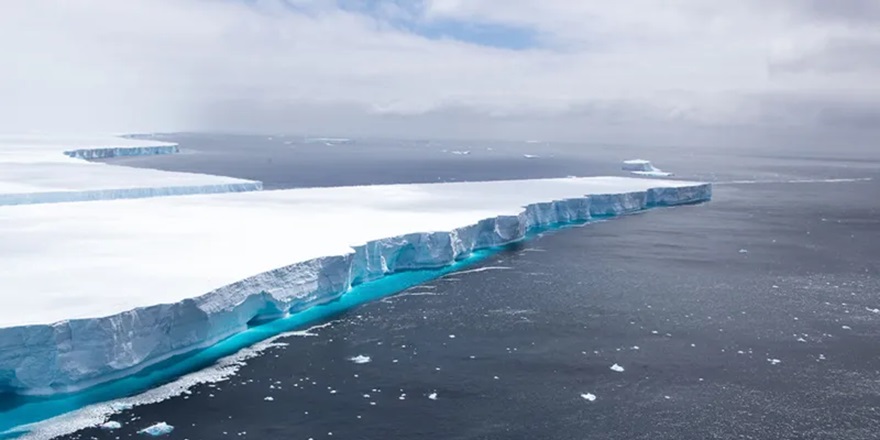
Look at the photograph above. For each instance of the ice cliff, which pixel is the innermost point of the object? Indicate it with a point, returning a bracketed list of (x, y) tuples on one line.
[(126, 193), (107, 152), (73, 354)]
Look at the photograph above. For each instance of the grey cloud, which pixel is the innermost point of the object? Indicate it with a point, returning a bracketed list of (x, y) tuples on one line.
[(840, 55), (849, 11)]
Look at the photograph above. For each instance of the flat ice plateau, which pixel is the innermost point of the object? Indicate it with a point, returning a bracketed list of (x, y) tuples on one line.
[(96, 290), (41, 169)]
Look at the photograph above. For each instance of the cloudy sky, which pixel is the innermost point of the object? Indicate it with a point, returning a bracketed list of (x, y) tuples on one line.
[(661, 71)]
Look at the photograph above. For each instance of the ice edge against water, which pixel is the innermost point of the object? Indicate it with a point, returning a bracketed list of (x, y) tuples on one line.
[(71, 355)]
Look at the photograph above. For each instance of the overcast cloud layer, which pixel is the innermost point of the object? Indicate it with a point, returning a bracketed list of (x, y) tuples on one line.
[(633, 71)]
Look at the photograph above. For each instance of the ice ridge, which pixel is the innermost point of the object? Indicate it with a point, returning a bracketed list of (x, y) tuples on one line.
[(75, 354)]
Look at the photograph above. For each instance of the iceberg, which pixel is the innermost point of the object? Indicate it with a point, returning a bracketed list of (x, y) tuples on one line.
[(106, 288), (40, 169), (643, 168)]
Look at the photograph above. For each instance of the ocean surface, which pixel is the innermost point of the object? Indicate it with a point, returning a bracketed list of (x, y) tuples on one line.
[(754, 316)]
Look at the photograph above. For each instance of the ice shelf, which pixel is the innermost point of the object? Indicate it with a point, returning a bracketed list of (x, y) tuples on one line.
[(42, 169), (96, 290)]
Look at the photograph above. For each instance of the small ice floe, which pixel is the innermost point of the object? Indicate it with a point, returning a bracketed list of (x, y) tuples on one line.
[(530, 156), (667, 397), (268, 398), (589, 397), (451, 336), (774, 361), (821, 357), (109, 425), (635, 347), (495, 377), (360, 359), (617, 368), (158, 429), (846, 327), (872, 310), (801, 340), (743, 251), (432, 396), (461, 152), (402, 396)]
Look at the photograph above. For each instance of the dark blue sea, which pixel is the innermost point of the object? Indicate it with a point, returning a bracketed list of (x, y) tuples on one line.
[(753, 316)]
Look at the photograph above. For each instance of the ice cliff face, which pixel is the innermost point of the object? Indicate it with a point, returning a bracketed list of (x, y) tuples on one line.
[(74, 354), (103, 153), (126, 193)]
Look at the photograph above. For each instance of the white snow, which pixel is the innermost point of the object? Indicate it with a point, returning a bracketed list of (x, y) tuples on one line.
[(643, 168), (158, 429), (42, 169), (214, 262)]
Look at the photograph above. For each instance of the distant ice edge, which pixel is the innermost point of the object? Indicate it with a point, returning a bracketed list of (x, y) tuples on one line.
[(126, 193), (72, 355), (107, 152)]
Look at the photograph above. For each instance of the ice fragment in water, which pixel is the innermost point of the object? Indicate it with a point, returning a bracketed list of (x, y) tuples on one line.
[(589, 397), (158, 429), (360, 359), (111, 425), (617, 368)]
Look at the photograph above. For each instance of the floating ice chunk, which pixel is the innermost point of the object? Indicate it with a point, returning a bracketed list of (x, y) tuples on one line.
[(530, 156), (461, 152), (743, 251), (846, 327), (112, 424), (774, 361), (643, 168), (589, 397), (617, 368), (360, 359), (268, 398), (432, 396), (872, 310), (451, 336), (158, 429)]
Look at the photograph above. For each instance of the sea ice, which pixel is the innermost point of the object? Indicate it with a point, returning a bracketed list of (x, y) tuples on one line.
[(589, 397), (617, 368), (432, 396), (158, 429)]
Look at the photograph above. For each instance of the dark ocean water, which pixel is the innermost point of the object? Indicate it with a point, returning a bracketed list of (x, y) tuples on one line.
[(755, 316)]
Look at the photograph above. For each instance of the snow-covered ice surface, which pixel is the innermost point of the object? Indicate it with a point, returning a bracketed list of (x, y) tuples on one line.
[(136, 281), (41, 169)]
